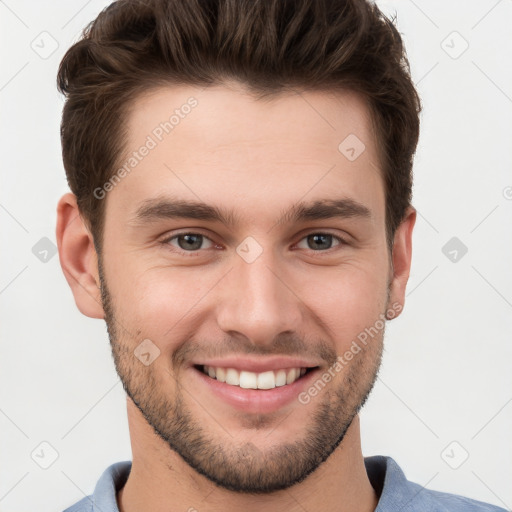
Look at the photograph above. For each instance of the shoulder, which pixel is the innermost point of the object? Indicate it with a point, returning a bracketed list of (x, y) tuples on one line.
[(436, 501), (398, 493), (103, 498), (84, 505)]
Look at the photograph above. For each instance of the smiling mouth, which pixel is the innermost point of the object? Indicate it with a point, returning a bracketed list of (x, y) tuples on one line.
[(251, 380)]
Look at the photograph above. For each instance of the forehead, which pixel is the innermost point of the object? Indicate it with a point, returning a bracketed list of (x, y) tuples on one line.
[(229, 114), (222, 144)]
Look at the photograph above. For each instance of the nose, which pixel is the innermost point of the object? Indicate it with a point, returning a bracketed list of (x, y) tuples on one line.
[(258, 301)]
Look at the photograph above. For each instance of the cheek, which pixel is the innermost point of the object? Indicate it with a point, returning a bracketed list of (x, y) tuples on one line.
[(348, 299), (163, 304)]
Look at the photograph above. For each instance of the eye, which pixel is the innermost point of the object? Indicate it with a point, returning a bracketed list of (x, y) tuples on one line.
[(189, 242), (320, 241)]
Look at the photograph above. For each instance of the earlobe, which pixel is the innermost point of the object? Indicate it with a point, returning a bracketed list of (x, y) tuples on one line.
[(401, 259), (78, 257)]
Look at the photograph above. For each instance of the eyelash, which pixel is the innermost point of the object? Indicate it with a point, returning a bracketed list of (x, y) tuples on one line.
[(167, 240)]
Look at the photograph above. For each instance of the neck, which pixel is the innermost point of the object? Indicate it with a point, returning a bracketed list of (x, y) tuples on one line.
[(160, 480)]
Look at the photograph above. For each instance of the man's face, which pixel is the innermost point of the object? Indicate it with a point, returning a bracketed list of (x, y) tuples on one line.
[(289, 279)]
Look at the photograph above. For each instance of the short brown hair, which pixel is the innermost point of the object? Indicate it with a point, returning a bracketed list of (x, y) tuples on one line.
[(270, 46)]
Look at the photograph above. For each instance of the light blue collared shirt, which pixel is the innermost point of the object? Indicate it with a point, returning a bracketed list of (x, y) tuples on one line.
[(395, 491)]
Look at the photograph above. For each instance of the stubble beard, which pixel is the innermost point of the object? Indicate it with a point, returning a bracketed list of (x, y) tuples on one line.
[(243, 468)]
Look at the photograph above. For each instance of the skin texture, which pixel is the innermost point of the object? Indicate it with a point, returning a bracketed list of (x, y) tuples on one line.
[(258, 159)]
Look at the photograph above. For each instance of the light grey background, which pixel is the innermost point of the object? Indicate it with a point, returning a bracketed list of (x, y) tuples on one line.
[(445, 390)]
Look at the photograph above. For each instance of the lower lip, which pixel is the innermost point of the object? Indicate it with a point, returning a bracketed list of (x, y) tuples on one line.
[(257, 401)]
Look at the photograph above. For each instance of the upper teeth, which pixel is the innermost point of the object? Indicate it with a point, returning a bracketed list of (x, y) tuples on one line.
[(251, 380)]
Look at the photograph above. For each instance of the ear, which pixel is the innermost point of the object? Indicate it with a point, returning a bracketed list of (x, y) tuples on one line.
[(401, 259), (78, 257)]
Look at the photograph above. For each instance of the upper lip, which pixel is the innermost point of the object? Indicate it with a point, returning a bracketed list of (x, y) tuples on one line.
[(257, 365)]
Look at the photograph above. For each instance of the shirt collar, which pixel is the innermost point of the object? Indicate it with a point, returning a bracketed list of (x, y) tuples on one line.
[(110, 482), (394, 490)]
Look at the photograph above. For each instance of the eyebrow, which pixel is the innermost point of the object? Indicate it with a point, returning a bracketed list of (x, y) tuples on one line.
[(156, 209)]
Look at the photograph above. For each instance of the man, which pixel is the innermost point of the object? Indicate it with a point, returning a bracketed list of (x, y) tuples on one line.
[(241, 218)]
